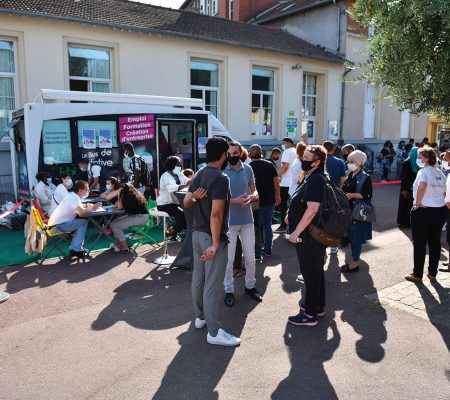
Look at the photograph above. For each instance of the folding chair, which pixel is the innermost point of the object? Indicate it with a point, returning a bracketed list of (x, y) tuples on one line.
[(144, 230), (54, 239), (38, 207)]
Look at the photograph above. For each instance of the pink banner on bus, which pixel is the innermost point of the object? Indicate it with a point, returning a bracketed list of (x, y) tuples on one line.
[(136, 127)]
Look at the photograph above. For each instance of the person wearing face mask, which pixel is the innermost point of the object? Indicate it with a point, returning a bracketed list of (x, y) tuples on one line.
[(209, 196), (243, 193), (427, 215), (92, 173), (445, 164), (171, 181), (304, 206), (405, 201), (346, 150), (43, 190), (64, 218), (358, 185), (112, 190), (274, 157), (400, 157), (285, 173), (61, 191)]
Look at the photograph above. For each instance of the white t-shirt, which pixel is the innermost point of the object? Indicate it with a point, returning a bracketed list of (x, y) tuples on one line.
[(94, 170), (58, 196), (289, 155), (65, 212), (43, 194), (436, 186), (296, 170), (447, 193)]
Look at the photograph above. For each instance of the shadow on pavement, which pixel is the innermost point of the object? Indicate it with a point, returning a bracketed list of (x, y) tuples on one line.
[(435, 308), (198, 367), (73, 271)]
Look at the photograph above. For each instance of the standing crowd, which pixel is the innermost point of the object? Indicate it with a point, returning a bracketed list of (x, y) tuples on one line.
[(235, 198)]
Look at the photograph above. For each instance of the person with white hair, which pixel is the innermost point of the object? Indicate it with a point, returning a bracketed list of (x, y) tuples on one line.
[(358, 185)]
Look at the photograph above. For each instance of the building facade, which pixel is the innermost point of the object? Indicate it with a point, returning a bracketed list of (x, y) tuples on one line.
[(262, 87), (365, 116)]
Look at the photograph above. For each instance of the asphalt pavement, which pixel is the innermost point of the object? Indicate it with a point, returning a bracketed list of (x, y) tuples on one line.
[(119, 327)]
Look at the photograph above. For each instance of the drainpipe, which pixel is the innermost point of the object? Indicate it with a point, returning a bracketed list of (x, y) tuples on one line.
[(341, 121)]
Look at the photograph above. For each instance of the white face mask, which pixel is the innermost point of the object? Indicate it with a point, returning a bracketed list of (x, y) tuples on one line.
[(445, 165), (177, 169), (420, 163), (352, 167)]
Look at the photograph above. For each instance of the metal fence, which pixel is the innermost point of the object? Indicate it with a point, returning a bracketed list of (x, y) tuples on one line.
[(6, 189)]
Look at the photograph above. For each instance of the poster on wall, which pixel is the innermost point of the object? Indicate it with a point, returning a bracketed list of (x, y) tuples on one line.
[(57, 144), (105, 139), (202, 145), (89, 140), (333, 132), (135, 128), (291, 127)]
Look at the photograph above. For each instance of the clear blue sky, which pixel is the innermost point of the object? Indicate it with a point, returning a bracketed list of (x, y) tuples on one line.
[(164, 3)]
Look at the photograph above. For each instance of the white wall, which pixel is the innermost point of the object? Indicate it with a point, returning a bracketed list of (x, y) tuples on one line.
[(158, 65)]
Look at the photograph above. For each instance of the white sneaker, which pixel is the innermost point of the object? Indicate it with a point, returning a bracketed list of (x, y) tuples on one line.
[(333, 250), (114, 247), (223, 339), (199, 323)]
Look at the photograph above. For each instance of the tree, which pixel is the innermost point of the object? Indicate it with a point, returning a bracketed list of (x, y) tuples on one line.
[(409, 53)]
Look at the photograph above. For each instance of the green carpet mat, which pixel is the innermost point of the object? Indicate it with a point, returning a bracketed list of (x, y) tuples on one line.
[(13, 246)]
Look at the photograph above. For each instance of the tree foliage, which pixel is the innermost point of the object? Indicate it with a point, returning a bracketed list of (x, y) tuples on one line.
[(409, 53)]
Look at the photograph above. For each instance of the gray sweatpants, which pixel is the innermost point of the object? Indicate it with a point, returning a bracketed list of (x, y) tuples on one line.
[(207, 281), (121, 223)]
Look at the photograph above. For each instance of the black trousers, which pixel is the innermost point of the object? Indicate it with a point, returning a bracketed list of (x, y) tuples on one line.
[(284, 194), (311, 256), (174, 211), (426, 226)]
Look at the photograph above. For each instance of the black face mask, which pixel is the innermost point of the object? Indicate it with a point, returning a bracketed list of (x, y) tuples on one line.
[(345, 156), (233, 160), (307, 165), (225, 163)]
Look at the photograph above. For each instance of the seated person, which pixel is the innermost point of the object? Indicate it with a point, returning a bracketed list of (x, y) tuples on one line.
[(171, 181), (135, 206), (112, 190), (188, 173), (93, 172), (65, 217), (61, 191), (44, 190)]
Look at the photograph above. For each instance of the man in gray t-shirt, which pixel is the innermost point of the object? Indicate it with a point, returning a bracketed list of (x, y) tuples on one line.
[(209, 194), (243, 193)]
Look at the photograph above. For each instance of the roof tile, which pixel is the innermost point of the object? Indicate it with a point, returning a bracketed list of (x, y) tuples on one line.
[(135, 16)]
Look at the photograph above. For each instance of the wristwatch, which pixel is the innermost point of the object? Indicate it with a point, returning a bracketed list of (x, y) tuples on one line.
[(194, 199)]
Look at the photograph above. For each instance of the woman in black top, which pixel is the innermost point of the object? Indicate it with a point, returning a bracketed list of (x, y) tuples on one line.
[(406, 200), (305, 204), (135, 206), (358, 185)]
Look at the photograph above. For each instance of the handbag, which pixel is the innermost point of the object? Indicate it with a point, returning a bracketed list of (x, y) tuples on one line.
[(363, 210)]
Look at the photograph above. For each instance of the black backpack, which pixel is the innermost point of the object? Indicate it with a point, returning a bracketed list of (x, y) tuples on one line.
[(144, 171), (333, 219)]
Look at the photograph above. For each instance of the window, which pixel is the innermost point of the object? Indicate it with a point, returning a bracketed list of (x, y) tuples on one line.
[(57, 144), (262, 101), (89, 69), (205, 84), (309, 95), (7, 84), (230, 9), (214, 7), (404, 124), (202, 6)]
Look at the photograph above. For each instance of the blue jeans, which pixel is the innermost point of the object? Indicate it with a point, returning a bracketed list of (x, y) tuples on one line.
[(265, 225), (79, 226), (356, 251)]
